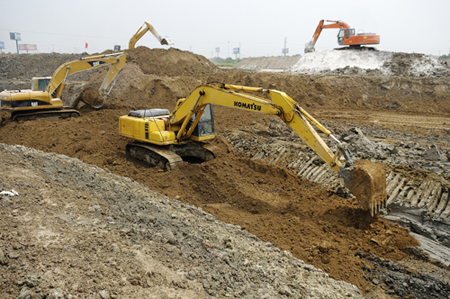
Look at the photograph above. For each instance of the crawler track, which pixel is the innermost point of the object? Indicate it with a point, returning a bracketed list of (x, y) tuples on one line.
[(169, 157), (154, 155), (45, 114)]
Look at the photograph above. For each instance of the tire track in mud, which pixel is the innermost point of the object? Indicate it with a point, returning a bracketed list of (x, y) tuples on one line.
[(389, 119), (417, 199)]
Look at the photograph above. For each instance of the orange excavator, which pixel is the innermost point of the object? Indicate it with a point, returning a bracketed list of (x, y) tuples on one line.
[(346, 37)]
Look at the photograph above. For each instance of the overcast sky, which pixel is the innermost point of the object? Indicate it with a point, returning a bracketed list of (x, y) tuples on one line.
[(259, 27)]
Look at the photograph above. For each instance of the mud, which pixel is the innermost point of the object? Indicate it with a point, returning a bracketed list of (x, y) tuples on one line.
[(253, 183)]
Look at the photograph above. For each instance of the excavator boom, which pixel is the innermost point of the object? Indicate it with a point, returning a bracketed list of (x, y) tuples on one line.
[(365, 180), (143, 30), (56, 84)]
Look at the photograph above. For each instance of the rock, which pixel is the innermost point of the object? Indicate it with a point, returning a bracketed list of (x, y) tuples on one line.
[(25, 294), (32, 280), (433, 153), (13, 255), (171, 238), (55, 294), (104, 294)]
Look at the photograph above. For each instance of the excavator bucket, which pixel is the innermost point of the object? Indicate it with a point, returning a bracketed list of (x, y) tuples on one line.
[(366, 180), (90, 97), (309, 48), (166, 41)]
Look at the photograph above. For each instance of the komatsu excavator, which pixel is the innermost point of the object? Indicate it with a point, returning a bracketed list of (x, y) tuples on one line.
[(165, 139), (43, 100), (346, 37), (143, 30)]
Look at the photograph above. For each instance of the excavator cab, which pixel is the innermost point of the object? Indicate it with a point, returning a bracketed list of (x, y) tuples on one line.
[(205, 126), (40, 83), (340, 37), (344, 34)]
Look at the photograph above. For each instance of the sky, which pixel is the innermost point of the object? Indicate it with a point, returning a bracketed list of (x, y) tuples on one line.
[(256, 27)]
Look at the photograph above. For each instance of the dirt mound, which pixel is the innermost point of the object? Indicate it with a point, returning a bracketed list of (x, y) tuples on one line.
[(72, 230), (267, 63), (171, 62), (372, 63)]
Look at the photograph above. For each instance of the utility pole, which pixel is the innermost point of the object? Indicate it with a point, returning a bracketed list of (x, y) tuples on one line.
[(239, 50)]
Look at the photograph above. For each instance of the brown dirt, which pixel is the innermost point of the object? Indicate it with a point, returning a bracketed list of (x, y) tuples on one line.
[(171, 62), (316, 225)]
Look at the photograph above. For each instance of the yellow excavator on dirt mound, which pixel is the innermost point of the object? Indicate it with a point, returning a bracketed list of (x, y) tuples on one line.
[(165, 139), (143, 30), (43, 100)]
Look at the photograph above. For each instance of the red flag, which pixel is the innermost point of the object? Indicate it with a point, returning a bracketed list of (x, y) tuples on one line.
[(86, 45)]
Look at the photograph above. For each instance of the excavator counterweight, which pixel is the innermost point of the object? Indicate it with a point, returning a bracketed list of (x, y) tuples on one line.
[(184, 133)]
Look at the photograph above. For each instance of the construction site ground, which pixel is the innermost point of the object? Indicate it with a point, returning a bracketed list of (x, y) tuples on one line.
[(106, 229)]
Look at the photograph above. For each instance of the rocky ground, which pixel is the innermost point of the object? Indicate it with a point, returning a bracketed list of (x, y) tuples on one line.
[(116, 228)]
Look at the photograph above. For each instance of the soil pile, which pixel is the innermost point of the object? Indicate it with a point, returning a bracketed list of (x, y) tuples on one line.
[(267, 63), (171, 62), (71, 230), (371, 62)]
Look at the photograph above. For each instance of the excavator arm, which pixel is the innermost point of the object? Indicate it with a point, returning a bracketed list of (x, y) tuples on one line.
[(280, 104), (58, 80), (365, 180), (334, 24), (143, 30)]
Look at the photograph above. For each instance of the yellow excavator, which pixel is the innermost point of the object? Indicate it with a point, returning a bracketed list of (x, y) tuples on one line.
[(143, 30), (43, 100), (165, 139)]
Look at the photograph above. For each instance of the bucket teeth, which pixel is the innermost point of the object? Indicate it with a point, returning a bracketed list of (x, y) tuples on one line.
[(376, 207)]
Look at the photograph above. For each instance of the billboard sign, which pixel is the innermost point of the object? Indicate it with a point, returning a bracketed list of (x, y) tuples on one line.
[(2, 45), (235, 50), (31, 47), (217, 50), (15, 35)]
